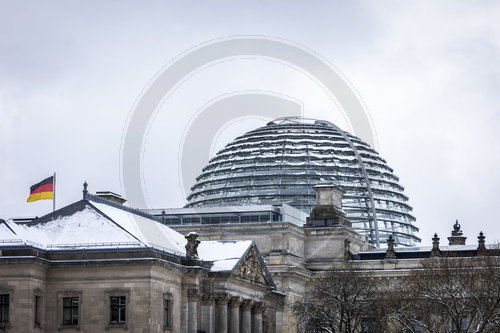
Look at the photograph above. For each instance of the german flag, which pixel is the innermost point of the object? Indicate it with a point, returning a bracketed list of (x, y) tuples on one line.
[(43, 190)]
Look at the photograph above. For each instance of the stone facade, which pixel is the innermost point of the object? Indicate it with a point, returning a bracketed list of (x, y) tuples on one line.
[(167, 292), (195, 299), (297, 256), (144, 278)]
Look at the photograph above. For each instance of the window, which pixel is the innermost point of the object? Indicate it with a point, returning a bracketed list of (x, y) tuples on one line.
[(167, 308), (70, 310), (117, 307), (4, 308), (38, 303), (167, 311)]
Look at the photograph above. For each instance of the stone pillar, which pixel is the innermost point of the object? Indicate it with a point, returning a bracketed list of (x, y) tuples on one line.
[(258, 308), (207, 316), (435, 252), (481, 249), (193, 299), (234, 305), (221, 313), (246, 320), (279, 317)]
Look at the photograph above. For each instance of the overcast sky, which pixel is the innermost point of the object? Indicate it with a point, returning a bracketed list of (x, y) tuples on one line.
[(427, 71)]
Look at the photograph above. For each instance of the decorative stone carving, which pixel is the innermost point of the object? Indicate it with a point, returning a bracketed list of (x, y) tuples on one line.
[(247, 304), (222, 299), (235, 301), (259, 307), (192, 245), (208, 299), (193, 294), (435, 252), (481, 249), (347, 249), (251, 268), (390, 253), (457, 237)]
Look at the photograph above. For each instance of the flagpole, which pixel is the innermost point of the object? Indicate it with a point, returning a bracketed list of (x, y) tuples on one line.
[(54, 195)]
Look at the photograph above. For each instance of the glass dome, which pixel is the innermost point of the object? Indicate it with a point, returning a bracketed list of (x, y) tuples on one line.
[(282, 161)]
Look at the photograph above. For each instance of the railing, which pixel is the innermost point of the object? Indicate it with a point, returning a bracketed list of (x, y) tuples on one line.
[(105, 246), (94, 245)]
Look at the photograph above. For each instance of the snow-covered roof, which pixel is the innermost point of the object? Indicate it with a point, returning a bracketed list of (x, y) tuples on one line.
[(8, 231), (97, 225), (147, 231), (224, 254)]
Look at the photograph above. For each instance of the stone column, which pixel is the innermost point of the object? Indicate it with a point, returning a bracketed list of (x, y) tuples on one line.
[(221, 313), (258, 308), (193, 299), (207, 316), (279, 317), (234, 305), (246, 320)]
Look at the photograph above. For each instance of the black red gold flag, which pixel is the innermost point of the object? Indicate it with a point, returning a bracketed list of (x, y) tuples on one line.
[(43, 190)]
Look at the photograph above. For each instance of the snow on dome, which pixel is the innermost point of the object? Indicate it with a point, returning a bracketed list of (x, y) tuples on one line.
[(280, 163)]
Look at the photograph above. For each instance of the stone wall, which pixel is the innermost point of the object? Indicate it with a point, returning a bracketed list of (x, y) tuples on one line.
[(148, 284)]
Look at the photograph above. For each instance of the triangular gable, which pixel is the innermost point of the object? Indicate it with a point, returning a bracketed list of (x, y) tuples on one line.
[(252, 267), (82, 224), (88, 223)]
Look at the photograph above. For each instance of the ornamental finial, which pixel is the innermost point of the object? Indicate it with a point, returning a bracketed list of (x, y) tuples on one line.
[(85, 192)]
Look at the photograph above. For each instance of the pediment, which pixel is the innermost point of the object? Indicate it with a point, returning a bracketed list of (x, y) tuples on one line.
[(252, 268)]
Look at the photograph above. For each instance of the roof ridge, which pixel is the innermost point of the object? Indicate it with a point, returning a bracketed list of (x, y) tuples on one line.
[(140, 212)]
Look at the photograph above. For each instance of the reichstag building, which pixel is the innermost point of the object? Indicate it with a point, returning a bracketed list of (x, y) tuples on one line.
[(266, 219)]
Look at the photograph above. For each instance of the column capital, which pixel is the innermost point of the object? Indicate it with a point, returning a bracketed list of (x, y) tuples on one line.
[(193, 295), (235, 301), (222, 298), (207, 299), (247, 304), (259, 307)]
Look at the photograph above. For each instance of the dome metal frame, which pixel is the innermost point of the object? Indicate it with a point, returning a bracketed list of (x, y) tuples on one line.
[(280, 162)]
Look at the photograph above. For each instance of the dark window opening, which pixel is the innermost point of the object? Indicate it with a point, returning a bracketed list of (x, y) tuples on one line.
[(70, 310), (37, 310), (321, 223), (4, 308), (167, 308), (118, 307)]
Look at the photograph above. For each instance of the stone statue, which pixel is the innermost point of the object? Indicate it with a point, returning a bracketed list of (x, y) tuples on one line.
[(192, 245), (456, 229), (347, 249)]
